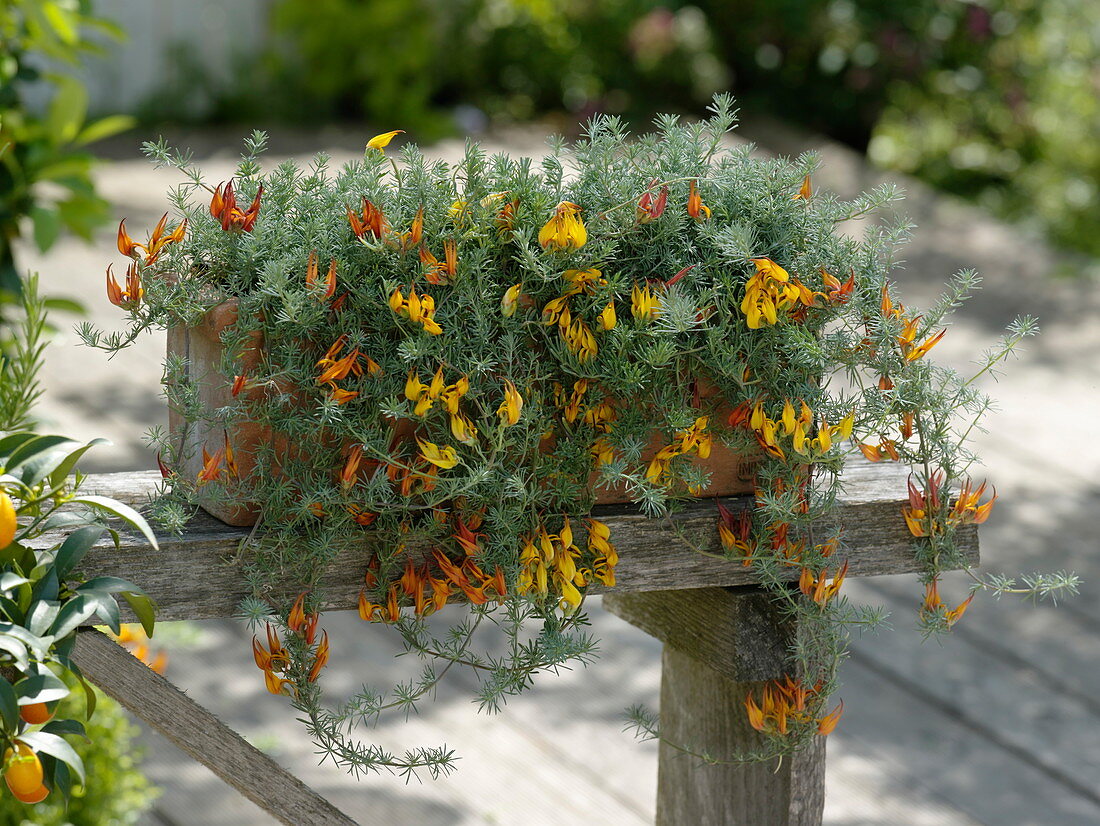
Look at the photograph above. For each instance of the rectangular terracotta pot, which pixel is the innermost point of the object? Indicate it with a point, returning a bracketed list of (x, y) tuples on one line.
[(202, 348), (730, 475)]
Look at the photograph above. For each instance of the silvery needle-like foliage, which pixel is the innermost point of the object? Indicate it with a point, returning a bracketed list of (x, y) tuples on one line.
[(457, 361)]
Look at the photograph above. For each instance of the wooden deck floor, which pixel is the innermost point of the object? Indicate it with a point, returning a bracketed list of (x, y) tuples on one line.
[(1000, 725)]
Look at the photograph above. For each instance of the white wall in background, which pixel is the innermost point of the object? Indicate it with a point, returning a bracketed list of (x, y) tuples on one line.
[(134, 69)]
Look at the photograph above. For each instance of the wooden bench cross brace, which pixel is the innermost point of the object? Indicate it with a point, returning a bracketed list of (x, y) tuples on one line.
[(722, 639)]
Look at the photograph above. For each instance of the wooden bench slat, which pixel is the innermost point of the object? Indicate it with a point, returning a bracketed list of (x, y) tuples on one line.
[(196, 576)]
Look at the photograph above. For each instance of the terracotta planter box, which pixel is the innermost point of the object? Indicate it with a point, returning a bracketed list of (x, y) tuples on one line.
[(730, 475), (201, 346)]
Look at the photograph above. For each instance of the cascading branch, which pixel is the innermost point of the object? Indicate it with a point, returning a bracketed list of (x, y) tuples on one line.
[(493, 344)]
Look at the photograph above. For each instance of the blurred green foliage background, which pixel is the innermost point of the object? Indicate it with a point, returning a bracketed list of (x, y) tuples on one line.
[(995, 100), (45, 170)]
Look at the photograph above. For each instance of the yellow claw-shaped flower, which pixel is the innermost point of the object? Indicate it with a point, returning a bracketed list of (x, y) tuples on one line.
[(463, 429), (570, 597), (643, 304), (414, 388), (565, 229), (397, 302), (769, 269), (788, 417), (510, 300), (510, 409), (607, 317), (443, 458), (380, 142), (844, 428)]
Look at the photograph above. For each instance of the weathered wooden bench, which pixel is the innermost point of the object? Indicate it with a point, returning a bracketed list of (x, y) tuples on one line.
[(722, 638)]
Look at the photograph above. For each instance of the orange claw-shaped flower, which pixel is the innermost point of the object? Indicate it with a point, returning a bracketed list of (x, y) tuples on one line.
[(805, 192), (367, 609), (275, 646), (231, 468), (277, 685), (922, 349), (313, 273), (735, 531), (264, 658), (360, 516), (440, 272), (885, 448), (933, 604), (836, 292), (651, 208), (341, 396), (129, 298), (889, 309), (968, 506), (320, 658), (150, 251), (211, 466), (393, 610), (755, 713), (786, 701), (441, 592), (261, 655), (296, 620), (350, 474), (466, 538), (497, 583), (819, 588), (695, 206), (223, 207), (451, 571), (955, 614), (370, 221), (415, 234), (827, 724)]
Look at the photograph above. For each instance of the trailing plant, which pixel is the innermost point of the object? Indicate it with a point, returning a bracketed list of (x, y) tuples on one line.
[(1011, 148), (448, 365), (47, 525)]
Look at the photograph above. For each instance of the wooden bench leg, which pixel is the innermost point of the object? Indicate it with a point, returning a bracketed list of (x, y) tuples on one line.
[(720, 644), (703, 709)]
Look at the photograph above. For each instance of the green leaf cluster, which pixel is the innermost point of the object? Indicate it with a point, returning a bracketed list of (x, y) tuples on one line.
[(42, 600), (46, 153), (118, 794)]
